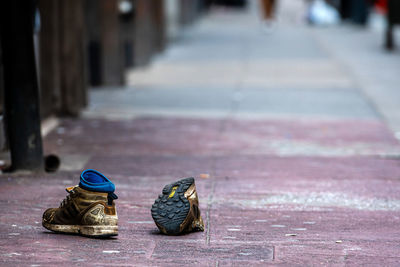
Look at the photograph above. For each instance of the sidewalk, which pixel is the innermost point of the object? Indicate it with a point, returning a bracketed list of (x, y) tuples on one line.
[(295, 136)]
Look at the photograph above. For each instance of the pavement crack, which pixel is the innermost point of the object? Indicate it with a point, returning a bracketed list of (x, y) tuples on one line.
[(273, 253), (152, 250), (209, 205)]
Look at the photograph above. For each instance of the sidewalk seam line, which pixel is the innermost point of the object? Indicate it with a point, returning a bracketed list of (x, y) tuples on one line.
[(209, 204)]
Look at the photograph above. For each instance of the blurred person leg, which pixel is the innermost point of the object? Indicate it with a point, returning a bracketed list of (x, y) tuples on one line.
[(268, 13), (389, 42), (268, 8), (360, 12)]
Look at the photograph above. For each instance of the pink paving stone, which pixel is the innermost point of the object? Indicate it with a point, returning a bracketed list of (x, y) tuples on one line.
[(259, 209), (223, 137), (358, 176), (326, 132)]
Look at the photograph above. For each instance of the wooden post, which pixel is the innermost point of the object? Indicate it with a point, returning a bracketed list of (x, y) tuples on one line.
[(21, 85), (49, 74), (93, 46), (1, 83), (159, 25), (104, 42), (111, 49), (127, 25), (143, 46), (72, 57), (3, 136), (186, 12)]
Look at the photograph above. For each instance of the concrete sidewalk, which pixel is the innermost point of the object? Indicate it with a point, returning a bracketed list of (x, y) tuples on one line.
[(303, 166)]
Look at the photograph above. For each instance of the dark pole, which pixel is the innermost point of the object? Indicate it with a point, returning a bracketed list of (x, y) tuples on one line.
[(20, 84), (393, 17)]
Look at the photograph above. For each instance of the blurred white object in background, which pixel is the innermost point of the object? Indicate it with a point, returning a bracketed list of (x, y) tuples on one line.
[(321, 13), (125, 6)]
